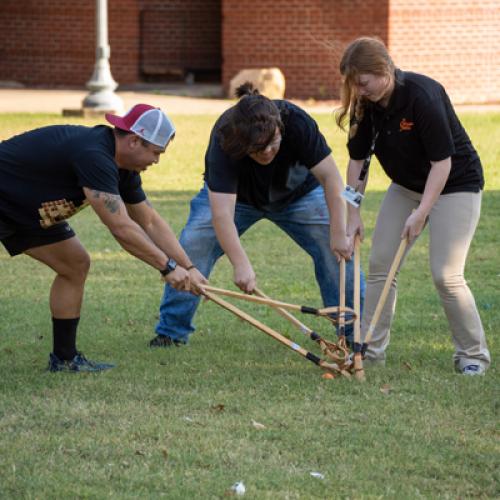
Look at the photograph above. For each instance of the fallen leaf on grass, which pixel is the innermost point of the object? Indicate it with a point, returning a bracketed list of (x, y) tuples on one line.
[(140, 453), (218, 408), (164, 452), (386, 389), (258, 425), (407, 365)]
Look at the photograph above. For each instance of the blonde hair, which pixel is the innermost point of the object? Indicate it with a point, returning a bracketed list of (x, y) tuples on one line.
[(363, 55)]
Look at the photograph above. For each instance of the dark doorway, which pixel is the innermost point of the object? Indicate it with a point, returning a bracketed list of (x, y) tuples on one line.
[(181, 42)]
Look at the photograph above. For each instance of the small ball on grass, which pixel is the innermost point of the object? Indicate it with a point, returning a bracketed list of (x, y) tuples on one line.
[(328, 375)]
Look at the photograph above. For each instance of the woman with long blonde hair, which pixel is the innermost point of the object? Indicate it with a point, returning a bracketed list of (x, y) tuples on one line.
[(407, 120)]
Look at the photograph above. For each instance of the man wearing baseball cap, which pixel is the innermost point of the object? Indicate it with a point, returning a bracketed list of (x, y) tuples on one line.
[(49, 174)]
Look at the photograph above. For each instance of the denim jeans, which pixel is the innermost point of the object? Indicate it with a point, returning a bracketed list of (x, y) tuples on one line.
[(306, 221)]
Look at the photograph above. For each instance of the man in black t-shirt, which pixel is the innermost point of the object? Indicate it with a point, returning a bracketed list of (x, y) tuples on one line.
[(49, 174), (265, 160)]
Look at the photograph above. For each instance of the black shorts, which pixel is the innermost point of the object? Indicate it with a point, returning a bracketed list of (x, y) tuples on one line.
[(18, 239)]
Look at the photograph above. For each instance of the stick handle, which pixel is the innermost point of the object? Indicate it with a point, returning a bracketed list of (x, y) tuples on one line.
[(290, 317), (249, 298), (385, 291), (359, 372), (342, 296), (326, 311), (357, 290), (266, 329)]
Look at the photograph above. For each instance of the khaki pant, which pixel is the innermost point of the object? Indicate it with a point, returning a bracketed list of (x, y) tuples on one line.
[(452, 223)]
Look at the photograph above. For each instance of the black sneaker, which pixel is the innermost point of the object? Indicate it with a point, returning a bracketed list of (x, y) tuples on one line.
[(78, 364), (164, 341)]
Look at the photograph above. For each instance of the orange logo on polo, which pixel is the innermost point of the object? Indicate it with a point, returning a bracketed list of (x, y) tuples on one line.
[(404, 124)]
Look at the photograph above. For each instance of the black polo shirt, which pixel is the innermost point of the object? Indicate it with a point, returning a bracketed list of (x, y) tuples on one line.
[(274, 186), (418, 126)]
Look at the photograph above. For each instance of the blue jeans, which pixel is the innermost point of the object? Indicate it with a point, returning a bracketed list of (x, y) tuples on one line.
[(306, 221)]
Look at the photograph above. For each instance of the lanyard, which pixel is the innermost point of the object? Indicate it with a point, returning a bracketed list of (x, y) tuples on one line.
[(368, 159), (351, 195)]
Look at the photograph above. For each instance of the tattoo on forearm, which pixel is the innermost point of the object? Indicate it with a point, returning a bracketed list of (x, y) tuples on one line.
[(111, 201)]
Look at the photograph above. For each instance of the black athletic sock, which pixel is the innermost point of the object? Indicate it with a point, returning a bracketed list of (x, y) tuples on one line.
[(64, 334)]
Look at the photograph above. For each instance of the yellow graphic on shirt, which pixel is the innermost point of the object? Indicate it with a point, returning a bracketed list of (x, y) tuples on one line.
[(52, 212)]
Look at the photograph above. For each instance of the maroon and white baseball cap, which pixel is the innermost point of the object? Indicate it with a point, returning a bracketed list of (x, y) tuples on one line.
[(148, 122)]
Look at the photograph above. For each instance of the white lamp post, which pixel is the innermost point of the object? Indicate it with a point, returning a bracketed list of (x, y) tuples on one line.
[(102, 97)]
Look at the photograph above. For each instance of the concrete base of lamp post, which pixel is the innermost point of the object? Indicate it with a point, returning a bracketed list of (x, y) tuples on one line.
[(103, 101), (87, 112), (96, 104)]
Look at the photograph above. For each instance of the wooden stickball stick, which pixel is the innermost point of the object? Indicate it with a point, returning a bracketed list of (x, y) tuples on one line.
[(272, 333), (325, 311), (359, 373), (385, 291)]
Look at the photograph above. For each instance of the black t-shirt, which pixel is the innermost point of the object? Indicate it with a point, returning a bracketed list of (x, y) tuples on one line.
[(287, 178), (42, 173), (418, 126)]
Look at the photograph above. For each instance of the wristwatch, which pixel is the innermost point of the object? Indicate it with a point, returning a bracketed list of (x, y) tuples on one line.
[(171, 265)]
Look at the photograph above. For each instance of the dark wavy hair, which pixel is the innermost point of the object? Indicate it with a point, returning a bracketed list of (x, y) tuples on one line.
[(251, 124)]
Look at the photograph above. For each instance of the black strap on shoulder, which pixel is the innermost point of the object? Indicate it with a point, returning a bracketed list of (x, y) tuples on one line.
[(368, 159)]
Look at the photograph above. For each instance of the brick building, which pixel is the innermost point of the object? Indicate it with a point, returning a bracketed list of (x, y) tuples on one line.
[(52, 42)]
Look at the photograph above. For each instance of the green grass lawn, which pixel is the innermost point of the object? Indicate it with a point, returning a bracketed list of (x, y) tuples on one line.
[(180, 422)]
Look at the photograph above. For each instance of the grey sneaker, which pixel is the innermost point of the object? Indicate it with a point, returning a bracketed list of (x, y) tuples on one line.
[(78, 364), (164, 341), (472, 370)]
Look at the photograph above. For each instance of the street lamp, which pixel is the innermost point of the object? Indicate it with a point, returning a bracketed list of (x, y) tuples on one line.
[(102, 97)]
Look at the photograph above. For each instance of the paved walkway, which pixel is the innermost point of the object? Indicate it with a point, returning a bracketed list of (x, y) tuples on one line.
[(55, 100)]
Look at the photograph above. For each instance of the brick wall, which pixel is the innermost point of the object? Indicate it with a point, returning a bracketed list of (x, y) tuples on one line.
[(457, 42), (39, 41), (304, 38), (49, 42)]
